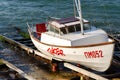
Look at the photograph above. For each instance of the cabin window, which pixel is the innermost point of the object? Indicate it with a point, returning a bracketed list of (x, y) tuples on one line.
[(78, 28), (51, 28), (56, 31), (86, 26), (63, 30), (74, 28), (68, 29), (71, 29)]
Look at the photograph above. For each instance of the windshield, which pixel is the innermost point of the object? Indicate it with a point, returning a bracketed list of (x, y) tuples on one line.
[(68, 29), (74, 28), (53, 29)]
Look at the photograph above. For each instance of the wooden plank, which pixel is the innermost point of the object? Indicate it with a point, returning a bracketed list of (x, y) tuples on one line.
[(21, 73), (83, 71)]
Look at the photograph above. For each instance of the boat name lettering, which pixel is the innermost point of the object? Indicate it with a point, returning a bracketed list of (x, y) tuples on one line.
[(94, 54), (56, 51)]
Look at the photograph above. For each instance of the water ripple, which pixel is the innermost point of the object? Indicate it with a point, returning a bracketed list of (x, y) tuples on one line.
[(102, 13)]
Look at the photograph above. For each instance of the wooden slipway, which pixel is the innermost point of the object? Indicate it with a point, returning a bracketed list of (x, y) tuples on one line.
[(36, 52)]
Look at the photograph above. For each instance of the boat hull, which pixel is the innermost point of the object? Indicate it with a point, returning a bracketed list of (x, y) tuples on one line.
[(97, 57)]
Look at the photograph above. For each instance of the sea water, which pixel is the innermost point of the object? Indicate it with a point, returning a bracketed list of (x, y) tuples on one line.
[(103, 14)]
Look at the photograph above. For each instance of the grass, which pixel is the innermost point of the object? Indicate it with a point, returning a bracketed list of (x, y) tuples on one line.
[(1, 62), (24, 35), (1, 38)]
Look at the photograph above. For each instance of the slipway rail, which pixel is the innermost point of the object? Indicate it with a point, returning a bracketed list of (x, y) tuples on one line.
[(21, 73), (85, 72), (24, 43)]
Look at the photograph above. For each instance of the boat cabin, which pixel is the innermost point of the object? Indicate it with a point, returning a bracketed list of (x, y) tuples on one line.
[(67, 25), (68, 31)]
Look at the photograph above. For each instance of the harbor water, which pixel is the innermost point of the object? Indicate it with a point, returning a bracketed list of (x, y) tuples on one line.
[(103, 14)]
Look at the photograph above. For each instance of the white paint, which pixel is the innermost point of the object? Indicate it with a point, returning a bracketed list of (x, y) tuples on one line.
[(75, 39)]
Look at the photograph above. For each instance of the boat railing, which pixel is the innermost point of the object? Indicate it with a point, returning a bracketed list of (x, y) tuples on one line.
[(30, 27)]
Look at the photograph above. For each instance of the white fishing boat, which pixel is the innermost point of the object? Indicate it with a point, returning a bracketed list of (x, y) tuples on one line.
[(74, 40)]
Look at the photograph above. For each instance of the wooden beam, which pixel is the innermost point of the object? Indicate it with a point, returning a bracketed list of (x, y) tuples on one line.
[(85, 72), (21, 73)]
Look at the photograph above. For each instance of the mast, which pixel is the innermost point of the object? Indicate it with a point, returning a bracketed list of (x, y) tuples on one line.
[(78, 6)]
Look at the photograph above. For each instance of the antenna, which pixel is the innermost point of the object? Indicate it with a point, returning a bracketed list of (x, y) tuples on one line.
[(74, 8), (78, 7)]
